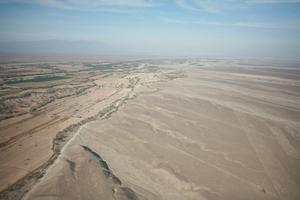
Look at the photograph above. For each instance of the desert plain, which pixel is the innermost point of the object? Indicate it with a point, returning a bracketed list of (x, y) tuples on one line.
[(150, 129)]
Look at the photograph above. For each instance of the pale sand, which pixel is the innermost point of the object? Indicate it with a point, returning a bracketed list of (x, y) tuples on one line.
[(27, 140), (29, 143), (218, 133)]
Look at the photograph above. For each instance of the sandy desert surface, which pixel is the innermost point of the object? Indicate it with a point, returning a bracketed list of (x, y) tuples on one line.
[(180, 129)]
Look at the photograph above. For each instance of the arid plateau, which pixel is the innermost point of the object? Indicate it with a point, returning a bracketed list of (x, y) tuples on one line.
[(178, 129)]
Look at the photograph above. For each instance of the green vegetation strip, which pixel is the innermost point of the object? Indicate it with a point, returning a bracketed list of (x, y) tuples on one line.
[(37, 79)]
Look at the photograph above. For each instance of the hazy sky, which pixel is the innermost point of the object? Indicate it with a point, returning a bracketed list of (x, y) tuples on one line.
[(231, 28)]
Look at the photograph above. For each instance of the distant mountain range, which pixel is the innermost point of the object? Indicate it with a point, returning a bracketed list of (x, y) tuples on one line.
[(55, 46), (65, 50)]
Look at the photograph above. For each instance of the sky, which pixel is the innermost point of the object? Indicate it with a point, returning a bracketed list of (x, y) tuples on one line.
[(220, 28)]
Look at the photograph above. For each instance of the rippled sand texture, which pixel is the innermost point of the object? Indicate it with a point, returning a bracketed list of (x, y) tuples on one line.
[(218, 133)]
